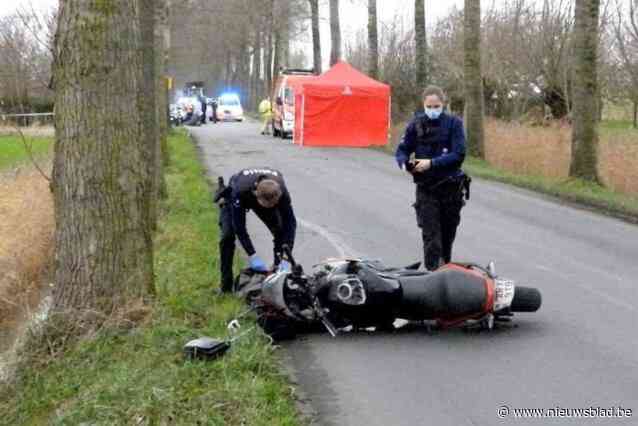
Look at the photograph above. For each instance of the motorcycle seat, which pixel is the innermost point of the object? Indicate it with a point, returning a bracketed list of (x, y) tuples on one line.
[(446, 294)]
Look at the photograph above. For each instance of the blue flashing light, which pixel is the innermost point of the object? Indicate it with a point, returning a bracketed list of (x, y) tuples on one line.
[(229, 95)]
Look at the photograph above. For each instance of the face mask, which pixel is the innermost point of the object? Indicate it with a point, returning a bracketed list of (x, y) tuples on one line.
[(433, 113)]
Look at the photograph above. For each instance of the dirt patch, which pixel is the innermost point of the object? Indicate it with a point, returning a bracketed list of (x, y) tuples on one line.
[(26, 241)]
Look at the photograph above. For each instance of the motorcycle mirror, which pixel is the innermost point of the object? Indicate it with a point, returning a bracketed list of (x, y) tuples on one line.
[(491, 268)]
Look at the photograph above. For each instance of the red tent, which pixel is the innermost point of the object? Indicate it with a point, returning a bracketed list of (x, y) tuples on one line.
[(341, 107)]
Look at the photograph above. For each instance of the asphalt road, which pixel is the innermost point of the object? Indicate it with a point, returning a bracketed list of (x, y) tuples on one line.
[(579, 351)]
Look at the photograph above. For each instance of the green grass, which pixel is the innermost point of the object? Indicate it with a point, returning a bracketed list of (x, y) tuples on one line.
[(13, 152), (140, 376), (573, 190)]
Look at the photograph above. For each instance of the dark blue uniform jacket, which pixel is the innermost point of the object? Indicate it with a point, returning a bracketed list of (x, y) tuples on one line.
[(441, 140), (280, 219)]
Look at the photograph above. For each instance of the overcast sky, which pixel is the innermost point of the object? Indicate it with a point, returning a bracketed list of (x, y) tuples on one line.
[(9, 6)]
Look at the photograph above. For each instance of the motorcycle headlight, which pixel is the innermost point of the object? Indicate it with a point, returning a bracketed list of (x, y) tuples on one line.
[(351, 292)]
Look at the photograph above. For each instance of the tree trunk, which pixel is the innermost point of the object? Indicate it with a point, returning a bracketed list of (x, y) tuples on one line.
[(635, 114), (166, 49), (103, 250), (244, 69), (161, 95), (584, 122), (373, 42), (148, 100), (335, 33), (284, 39), (556, 99), (276, 55), (268, 64), (269, 47), (257, 70), (473, 81), (316, 37), (420, 45)]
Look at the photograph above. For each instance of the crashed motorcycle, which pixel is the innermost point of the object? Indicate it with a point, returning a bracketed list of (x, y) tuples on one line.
[(353, 294)]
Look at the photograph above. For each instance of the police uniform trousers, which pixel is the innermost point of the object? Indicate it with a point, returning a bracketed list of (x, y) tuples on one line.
[(271, 218), (438, 214)]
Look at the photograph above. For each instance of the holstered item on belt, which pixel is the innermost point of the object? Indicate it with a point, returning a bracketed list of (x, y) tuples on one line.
[(467, 182), (222, 192), (449, 186)]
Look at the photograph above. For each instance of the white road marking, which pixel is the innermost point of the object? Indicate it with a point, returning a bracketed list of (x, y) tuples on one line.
[(342, 248)]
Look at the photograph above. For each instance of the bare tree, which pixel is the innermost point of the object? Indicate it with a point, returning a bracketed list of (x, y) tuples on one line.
[(473, 117), (626, 35), (316, 37), (584, 131), (102, 240), (148, 102), (373, 42), (257, 83), (335, 33), (162, 51), (25, 62), (420, 43), (551, 55), (269, 47)]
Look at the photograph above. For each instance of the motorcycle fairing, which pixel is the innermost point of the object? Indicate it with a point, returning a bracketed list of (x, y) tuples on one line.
[(379, 292)]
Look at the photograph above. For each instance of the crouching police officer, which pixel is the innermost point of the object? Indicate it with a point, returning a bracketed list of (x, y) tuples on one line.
[(437, 141), (263, 191)]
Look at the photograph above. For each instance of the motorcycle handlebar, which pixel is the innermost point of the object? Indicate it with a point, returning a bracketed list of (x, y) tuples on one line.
[(287, 254)]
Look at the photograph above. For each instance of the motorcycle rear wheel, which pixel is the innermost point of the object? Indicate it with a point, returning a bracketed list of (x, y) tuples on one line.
[(526, 299)]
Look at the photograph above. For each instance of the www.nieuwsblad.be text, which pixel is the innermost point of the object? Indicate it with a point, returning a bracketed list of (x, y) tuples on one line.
[(505, 411)]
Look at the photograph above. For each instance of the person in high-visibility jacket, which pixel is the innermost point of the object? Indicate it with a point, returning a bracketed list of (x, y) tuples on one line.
[(265, 109)]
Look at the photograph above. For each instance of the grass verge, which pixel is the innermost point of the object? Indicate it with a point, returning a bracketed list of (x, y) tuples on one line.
[(139, 376), (12, 151), (572, 190)]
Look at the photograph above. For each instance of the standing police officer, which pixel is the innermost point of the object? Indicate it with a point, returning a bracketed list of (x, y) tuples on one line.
[(213, 105), (263, 191), (437, 141), (202, 100)]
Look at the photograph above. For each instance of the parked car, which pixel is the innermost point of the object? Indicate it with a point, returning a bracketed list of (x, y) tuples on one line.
[(283, 121), (229, 108)]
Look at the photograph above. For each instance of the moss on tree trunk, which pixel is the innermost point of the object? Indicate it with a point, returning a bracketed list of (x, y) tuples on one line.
[(584, 111), (103, 251), (473, 81), (420, 45)]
